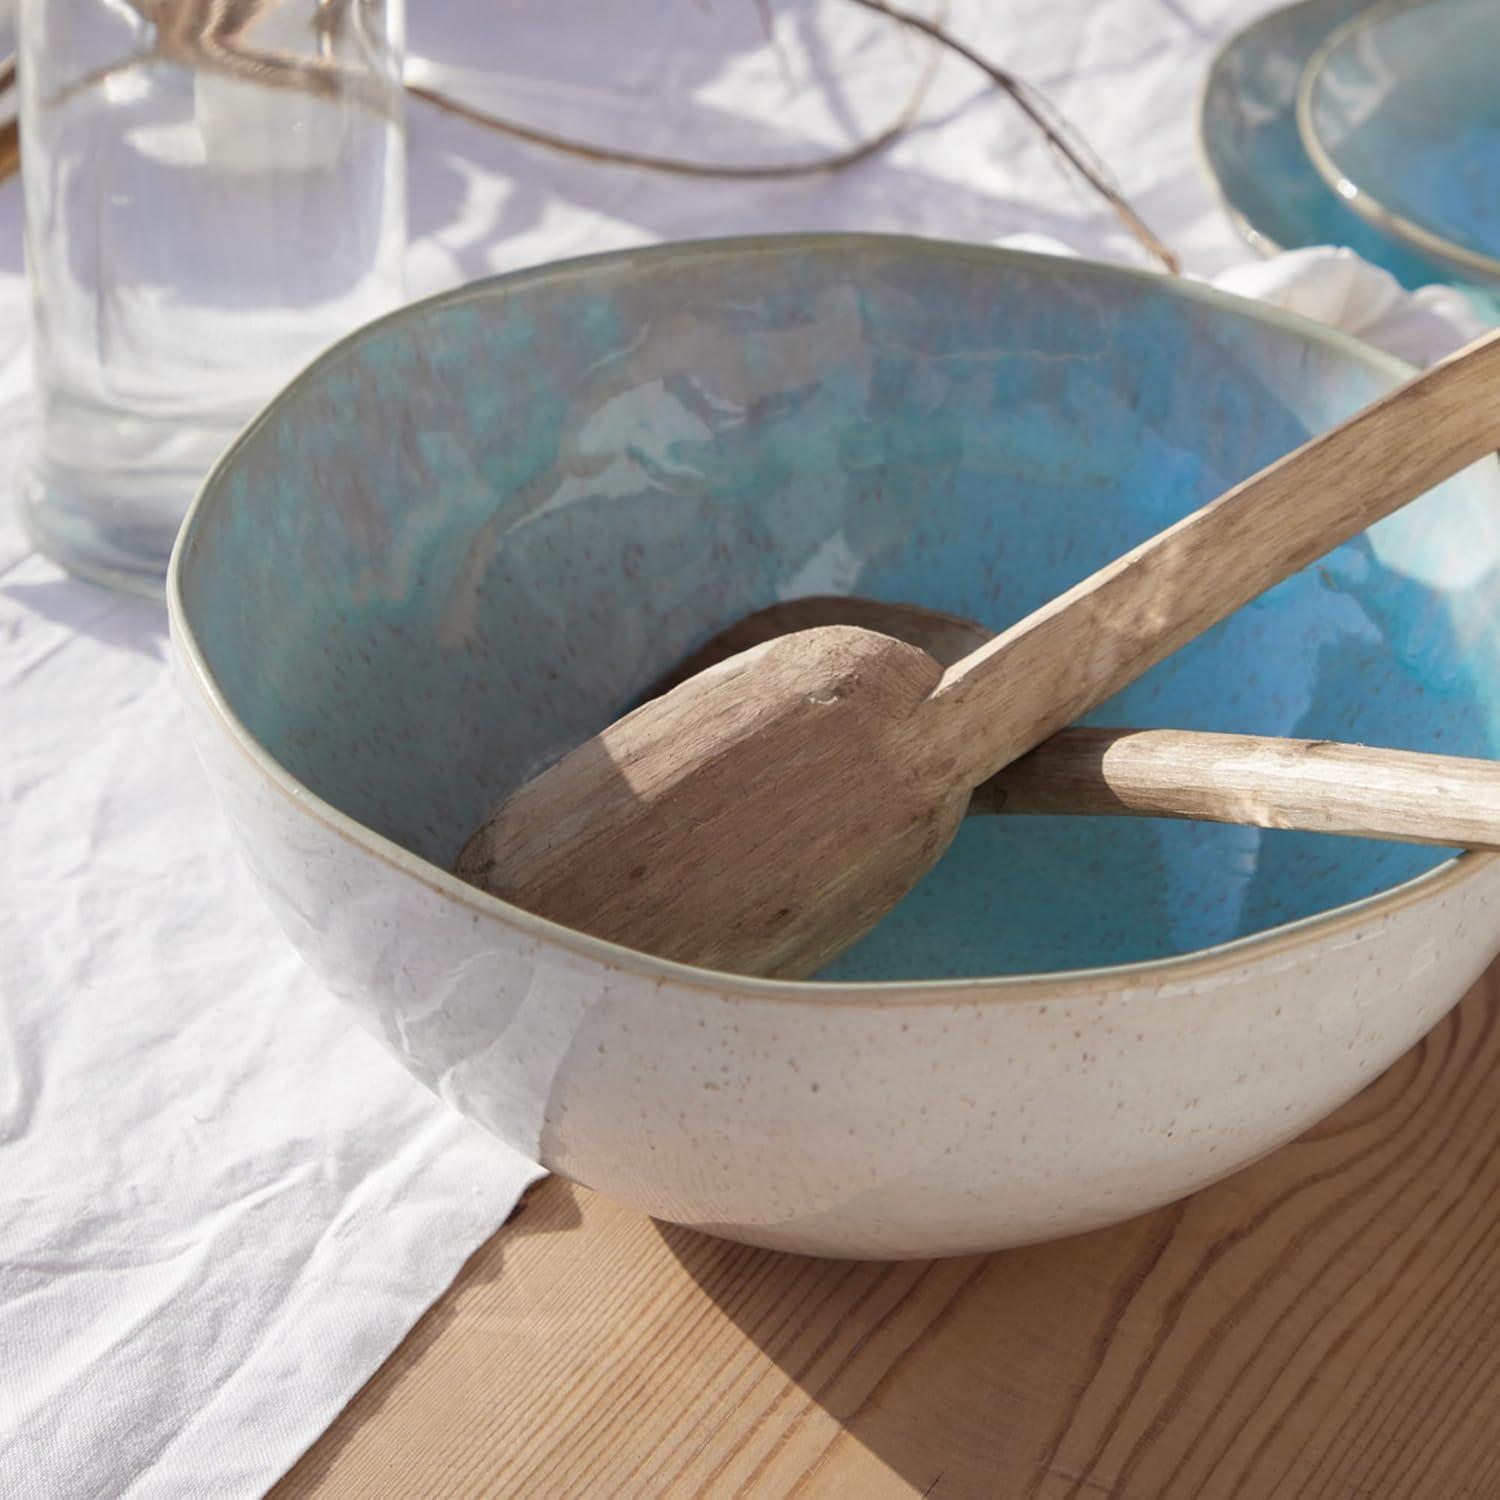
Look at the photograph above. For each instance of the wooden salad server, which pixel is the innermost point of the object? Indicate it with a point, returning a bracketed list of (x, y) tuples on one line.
[(1265, 781), (765, 814)]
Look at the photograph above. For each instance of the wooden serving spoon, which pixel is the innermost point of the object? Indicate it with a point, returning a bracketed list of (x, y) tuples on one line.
[(1319, 786), (767, 813)]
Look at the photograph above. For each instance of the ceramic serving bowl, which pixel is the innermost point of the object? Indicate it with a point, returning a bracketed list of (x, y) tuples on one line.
[(472, 533), (1399, 111)]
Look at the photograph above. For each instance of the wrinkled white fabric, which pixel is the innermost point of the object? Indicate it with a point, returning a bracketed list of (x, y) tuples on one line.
[(221, 1205), (1335, 286)]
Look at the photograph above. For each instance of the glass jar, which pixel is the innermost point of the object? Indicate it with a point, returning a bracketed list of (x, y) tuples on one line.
[(215, 189)]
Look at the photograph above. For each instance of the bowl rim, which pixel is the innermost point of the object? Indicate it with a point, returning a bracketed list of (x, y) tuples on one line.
[(1373, 210), (1154, 973)]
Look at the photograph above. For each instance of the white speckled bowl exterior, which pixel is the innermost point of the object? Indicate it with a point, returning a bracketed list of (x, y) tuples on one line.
[(895, 1119)]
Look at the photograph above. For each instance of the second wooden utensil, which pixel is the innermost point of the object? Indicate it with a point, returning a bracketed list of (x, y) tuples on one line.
[(1264, 781)]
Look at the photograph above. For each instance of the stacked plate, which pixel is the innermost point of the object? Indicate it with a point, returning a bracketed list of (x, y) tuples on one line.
[(1373, 126)]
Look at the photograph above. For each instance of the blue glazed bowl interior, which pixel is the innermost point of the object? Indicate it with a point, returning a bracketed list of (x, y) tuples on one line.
[(473, 533)]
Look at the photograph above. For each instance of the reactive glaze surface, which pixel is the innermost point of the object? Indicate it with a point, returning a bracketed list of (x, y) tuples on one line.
[(473, 532), (1400, 112), (1253, 150)]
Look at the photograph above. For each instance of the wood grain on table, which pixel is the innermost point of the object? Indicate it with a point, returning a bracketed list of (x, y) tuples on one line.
[(1324, 1324)]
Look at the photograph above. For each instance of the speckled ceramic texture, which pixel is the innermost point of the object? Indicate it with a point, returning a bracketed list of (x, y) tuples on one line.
[(474, 532), (1253, 151), (1400, 112)]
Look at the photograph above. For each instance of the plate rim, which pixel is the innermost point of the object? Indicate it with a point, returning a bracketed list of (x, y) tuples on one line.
[(1360, 199)]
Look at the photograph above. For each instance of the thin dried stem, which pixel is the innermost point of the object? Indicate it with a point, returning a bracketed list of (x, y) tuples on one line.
[(680, 166), (195, 33), (208, 34), (1046, 119)]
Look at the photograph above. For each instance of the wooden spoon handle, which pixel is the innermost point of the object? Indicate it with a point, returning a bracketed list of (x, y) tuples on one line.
[(1172, 773), (1269, 783), (1086, 644)]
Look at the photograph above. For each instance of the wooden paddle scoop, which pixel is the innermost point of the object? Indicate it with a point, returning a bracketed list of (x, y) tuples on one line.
[(764, 815), (1319, 786)]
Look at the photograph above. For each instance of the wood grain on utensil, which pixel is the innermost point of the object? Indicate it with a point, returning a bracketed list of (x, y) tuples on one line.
[(1067, 657), (1316, 785), (1267, 782)]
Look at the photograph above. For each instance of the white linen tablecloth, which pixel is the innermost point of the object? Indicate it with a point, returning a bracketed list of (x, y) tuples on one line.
[(221, 1204)]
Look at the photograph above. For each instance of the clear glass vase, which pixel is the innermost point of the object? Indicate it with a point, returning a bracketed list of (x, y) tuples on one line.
[(215, 190)]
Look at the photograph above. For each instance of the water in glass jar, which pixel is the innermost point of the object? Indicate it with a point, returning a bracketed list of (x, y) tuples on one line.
[(214, 192)]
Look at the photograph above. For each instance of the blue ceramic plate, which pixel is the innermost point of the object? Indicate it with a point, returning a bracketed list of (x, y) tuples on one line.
[(1400, 112), (1253, 151)]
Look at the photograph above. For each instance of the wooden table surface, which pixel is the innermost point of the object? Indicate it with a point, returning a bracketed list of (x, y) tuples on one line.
[(1324, 1324)]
